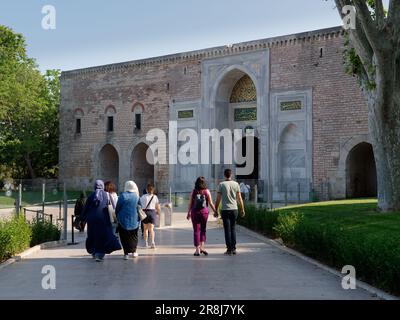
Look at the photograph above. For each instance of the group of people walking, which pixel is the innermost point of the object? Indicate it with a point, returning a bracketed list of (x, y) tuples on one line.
[(113, 221)]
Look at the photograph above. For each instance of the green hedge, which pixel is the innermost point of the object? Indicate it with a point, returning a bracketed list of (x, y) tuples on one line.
[(44, 231), (15, 236), (338, 234)]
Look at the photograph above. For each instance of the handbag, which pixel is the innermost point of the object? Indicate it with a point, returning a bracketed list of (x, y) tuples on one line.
[(111, 210), (142, 214)]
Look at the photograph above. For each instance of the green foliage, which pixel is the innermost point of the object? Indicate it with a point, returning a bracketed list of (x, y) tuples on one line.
[(286, 225), (340, 233), (15, 236), (44, 231), (29, 104), (260, 219)]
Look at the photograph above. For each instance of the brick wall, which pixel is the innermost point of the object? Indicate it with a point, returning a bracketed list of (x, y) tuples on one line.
[(339, 109)]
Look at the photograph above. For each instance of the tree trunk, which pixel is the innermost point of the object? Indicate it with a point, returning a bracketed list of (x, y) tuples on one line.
[(384, 125), (31, 172)]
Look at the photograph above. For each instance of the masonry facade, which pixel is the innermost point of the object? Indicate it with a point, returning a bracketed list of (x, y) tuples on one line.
[(309, 117)]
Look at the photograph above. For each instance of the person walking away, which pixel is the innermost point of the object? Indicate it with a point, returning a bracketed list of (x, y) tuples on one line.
[(111, 189), (199, 201), (144, 191), (100, 237), (151, 205), (79, 205), (128, 219), (229, 195)]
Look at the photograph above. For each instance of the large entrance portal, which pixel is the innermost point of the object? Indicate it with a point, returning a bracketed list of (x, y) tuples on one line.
[(109, 164), (142, 172), (236, 108), (361, 172)]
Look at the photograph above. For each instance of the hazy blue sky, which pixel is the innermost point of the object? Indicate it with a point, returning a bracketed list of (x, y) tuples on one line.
[(98, 32)]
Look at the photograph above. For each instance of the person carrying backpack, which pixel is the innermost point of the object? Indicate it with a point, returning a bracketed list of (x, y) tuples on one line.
[(199, 201)]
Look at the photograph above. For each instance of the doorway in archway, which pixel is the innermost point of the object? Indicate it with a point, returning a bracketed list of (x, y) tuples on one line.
[(142, 172), (108, 164), (361, 172)]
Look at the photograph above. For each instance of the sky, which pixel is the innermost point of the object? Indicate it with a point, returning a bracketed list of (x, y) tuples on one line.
[(90, 33)]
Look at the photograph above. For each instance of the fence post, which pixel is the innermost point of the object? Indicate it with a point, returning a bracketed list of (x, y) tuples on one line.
[(322, 191), (19, 200), (59, 211), (43, 195), (286, 195), (255, 194), (176, 199), (328, 185), (298, 192), (65, 213)]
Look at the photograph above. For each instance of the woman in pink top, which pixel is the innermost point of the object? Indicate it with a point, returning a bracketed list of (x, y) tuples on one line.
[(199, 201)]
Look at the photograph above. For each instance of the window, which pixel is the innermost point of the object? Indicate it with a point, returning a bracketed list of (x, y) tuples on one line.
[(137, 111), (78, 115), (110, 124), (78, 126), (138, 121)]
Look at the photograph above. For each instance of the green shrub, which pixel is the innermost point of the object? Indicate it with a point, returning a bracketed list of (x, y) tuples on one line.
[(44, 231), (286, 226), (339, 233), (15, 235), (260, 219)]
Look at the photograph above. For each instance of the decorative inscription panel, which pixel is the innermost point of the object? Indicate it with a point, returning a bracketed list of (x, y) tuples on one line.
[(185, 114), (290, 105), (245, 114)]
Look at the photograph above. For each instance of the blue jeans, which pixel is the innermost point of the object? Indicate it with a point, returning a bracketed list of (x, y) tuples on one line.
[(229, 219)]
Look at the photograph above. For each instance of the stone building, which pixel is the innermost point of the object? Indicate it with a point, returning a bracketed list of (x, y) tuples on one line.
[(309, 117)]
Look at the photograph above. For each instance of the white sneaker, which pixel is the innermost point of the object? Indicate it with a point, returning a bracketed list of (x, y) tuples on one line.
[(135, 255), (153, 245), (126, 257), (147, 244)]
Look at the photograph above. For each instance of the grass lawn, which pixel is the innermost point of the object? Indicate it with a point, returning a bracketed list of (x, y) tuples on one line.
[(34, 197), (339, 233)]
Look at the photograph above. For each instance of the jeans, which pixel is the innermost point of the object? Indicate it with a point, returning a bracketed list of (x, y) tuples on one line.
[(229, 219)]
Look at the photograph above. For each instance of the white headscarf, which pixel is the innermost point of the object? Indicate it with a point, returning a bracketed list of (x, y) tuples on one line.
[(131, 186)]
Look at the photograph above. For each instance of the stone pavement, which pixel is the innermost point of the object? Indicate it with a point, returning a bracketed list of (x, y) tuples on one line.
[(259, 271)]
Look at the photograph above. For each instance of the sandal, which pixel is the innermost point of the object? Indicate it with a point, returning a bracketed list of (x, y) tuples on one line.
[(196, 254), (204, 252)]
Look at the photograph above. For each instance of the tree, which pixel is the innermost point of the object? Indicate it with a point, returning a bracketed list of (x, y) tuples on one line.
[(374, 57), (29, 106)]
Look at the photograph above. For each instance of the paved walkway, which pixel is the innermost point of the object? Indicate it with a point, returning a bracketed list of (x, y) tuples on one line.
[(259, 271)]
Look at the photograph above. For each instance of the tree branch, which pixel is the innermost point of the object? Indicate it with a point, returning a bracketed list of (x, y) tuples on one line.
[(394, 14), (371, 32), (358, 37), (379, 13)]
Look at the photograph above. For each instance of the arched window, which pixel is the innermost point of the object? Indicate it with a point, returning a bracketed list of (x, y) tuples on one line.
[(137, 110), (78, 115), (110, 114)]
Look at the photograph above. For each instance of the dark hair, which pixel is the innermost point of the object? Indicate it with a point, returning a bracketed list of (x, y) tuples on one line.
[(228, 173), (200, 184), (150, 188), (110, 187)]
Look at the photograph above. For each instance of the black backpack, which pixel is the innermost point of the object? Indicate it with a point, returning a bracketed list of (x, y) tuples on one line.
[(200, 201)]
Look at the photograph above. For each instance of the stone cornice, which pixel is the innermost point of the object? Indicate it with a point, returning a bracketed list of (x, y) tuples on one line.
[(212, 52)]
